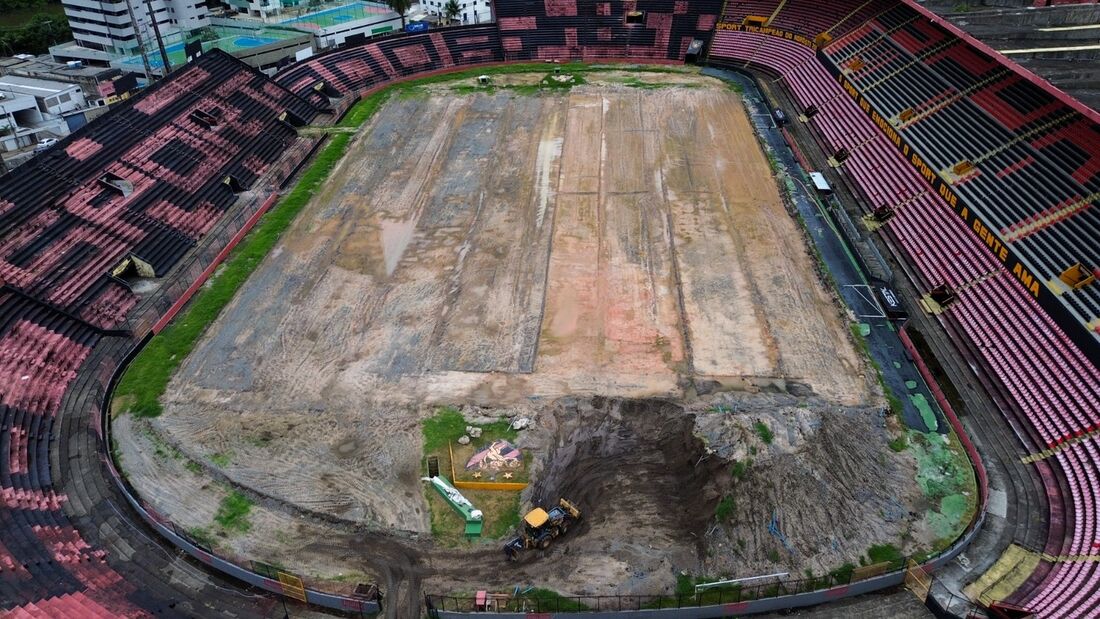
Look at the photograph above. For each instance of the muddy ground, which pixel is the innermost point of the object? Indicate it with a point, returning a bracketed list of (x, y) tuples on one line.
[(592, 259), (647, 475)]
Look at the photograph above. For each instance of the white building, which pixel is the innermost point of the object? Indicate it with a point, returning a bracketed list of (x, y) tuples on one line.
[(469, 11), (33, 109), (107, 26)]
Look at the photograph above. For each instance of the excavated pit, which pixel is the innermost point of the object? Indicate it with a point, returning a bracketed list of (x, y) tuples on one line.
[(627, 463)]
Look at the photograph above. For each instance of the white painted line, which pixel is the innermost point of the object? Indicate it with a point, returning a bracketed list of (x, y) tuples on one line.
[(1068, 28), (1050, 50)]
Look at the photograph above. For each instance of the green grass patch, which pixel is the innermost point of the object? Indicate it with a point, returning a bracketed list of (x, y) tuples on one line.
[(860, 338), (161, 448), (740, 468), (544, 600), (843, 573), (201, 536), (232, 514), (193, 466), (764, 432), (222, 459), (899, 444), (881, 553), (724, 511), (446, 426), (896, 407)]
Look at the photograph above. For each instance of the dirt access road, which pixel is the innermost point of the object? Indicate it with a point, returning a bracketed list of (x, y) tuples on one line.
[(503, 251)]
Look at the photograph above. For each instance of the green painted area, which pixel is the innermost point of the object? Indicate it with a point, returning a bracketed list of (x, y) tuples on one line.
[(910, 384), (926, 413), (864, 329), (947, 480), (945, 521)]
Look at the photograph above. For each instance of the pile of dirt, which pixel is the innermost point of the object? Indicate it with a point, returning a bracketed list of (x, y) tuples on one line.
[(809, 487)]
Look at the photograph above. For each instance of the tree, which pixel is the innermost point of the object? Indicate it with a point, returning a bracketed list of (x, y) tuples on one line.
[(400, 7), (451, 9), (36, 37)]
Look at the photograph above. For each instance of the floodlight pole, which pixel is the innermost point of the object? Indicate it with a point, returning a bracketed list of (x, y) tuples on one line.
[(160, 42), (141, 44)]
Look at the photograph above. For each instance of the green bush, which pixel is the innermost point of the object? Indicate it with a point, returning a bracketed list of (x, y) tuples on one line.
[(843, 573), (899, 444), (232, 513), (739, 468), (37, 35), (764, 432), (881, 553), (725, 509)]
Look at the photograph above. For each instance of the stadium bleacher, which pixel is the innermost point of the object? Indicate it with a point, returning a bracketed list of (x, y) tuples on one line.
[(1030, 161), (355, 70), (593, 29), (146, 180), (952, 101)]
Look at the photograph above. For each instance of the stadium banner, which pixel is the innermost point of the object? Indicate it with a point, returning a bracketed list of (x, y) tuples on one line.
[(801, 39), (1076, 330)]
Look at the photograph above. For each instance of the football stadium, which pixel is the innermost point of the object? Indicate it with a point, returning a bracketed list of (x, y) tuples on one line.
[(623, 309)]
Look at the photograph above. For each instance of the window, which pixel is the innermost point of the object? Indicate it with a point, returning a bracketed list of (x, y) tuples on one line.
[(64, 98)]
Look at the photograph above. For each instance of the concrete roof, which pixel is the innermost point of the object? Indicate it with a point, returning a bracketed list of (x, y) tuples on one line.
[(34, 87)]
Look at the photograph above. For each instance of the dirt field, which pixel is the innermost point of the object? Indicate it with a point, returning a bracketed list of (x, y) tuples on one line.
[(530, 255)]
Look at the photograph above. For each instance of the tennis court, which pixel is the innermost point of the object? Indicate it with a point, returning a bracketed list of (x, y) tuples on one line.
[(229, 39), (336, 15)]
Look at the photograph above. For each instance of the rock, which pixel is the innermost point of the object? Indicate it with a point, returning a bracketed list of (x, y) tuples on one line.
[(521, 423), (473, 432), (801, 390), (511, 413), (706, 386), (463, 440)]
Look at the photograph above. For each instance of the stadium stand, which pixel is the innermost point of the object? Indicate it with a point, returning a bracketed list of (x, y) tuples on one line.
[(146, 182), (961, 101), (1028, 161), (591, 29), (356, 70)]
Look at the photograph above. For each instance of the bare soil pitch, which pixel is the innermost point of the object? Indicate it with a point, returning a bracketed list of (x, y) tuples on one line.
[(530, 254)]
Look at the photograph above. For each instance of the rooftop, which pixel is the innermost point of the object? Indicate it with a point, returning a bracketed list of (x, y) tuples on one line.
[(33, 86)]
